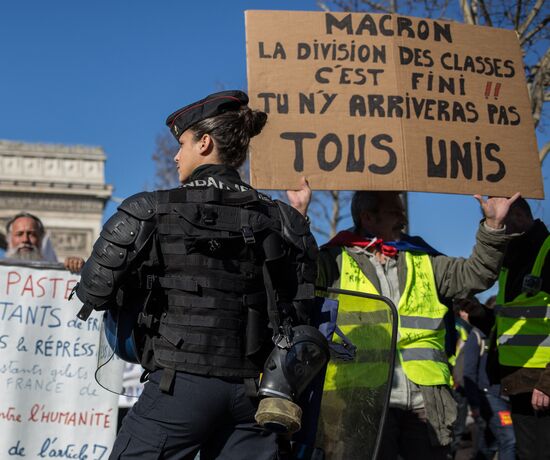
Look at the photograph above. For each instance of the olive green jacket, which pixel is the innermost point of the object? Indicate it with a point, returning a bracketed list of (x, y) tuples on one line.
[(455, 277)]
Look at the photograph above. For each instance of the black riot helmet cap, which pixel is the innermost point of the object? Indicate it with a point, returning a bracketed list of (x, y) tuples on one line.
[(210, 106)]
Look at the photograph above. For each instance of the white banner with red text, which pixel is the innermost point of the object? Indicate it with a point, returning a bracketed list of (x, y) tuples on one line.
[(50, 403)]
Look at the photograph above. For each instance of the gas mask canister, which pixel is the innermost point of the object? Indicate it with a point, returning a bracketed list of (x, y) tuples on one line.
[(294, 362)]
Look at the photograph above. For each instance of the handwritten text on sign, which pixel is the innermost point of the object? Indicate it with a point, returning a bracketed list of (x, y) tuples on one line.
[(366, 101), (51, 405)]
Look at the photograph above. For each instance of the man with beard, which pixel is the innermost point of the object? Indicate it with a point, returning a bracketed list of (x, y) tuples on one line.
[(25, 233)]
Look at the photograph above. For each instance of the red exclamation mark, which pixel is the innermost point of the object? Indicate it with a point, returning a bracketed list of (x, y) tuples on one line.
[(497, 89), (488, 89)]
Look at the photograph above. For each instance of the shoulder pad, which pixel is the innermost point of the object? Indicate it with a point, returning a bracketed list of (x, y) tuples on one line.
[(109, 254), (121, 229), (142, 206)]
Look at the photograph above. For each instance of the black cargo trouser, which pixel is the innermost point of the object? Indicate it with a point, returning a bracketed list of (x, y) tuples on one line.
[(532, 429), (209, 414), (406, 436)]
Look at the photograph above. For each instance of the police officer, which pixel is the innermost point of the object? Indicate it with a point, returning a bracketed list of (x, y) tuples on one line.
[(218, 270)]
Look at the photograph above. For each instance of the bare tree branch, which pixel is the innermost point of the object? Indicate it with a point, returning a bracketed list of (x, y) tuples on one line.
[(378, 6), (530, 17), (319, 230), (163, 157), (322, 6), (474, 8), (485, 13), (335, 212), (538, 86), (319, 207), (443, 8), (467, 13), (517, 16), (544, 151), (534, 31)]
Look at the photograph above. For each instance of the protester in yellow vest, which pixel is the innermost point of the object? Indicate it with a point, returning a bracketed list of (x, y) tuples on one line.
[(522, 331), (375, 256)]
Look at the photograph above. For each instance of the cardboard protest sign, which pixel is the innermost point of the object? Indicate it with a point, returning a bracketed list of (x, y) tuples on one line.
[(370, 101), (51, 405)]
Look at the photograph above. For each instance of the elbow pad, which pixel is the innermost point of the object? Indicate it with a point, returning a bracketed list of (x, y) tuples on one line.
[(122, 239), (296, 232), (304, 252)]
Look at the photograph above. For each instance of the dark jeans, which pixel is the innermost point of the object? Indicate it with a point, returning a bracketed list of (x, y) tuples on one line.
[(406, 434), (204, 413), (459, 427), (532, 429), (496, 432)]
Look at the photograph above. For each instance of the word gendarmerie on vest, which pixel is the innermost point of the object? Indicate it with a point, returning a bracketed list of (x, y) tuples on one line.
[(220, 185)]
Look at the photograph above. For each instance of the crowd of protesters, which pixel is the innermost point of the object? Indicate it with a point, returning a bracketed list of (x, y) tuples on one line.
[(502, 356), (498, 369), (505, 398)]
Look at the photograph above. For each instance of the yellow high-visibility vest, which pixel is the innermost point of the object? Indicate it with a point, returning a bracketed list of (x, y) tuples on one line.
[(523, 324), (421, 343), (367, 324)]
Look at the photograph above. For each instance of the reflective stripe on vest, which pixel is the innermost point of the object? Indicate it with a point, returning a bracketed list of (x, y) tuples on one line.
[(523, 324), (421, 344), (462, 337), (367, 324)]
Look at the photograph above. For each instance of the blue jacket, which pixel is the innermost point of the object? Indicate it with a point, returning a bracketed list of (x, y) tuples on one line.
[(476, 379)]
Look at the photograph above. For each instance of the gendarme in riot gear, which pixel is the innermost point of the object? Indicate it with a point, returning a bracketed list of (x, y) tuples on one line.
[(209, 275)]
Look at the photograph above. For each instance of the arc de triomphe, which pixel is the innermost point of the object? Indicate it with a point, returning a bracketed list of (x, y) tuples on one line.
[(63, 185)]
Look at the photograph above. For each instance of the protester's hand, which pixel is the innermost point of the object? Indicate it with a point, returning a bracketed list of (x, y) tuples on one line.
[(495, 209), (475, 412), (540, 400), (299, 199), (74, 264)]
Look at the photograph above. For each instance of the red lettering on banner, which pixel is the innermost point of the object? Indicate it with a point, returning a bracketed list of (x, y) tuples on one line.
[(28, 286), (39, 414), (35, 409), (38, 287), (69, 287), (55, 280), (10, 282), (10, 415)]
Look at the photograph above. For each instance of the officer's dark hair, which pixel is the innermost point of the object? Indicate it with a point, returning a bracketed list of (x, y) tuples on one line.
[(366, 201), (41, 230), (521, 203), (231, 132)]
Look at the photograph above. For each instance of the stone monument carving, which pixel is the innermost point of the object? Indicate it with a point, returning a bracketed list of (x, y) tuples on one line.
[(63, 185)]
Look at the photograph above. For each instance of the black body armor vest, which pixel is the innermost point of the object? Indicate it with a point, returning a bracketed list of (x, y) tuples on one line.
[(219, 269), (211, 257), (213, 243)]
